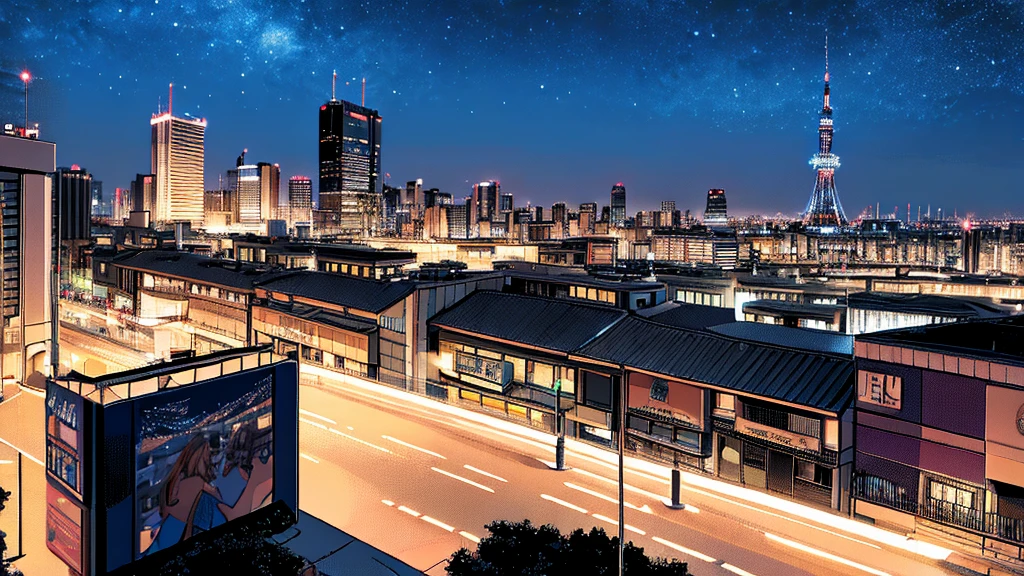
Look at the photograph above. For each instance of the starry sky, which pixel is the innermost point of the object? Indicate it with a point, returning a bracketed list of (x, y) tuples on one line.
[(557, 100)]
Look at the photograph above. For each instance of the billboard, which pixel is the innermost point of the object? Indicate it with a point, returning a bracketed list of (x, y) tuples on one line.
[(204, 456), (64, 437), (64, 528)]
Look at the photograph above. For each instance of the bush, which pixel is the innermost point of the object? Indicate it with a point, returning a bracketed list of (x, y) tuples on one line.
[(522, 549)]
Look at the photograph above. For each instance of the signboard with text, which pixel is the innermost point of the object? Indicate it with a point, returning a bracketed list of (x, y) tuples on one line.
[(778, 436)]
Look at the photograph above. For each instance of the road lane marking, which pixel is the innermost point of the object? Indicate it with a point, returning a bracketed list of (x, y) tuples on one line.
[(735, 570), (461, 479), (409, 511), (413, 446), (645, 508), (23, 453), (685, 550), (615, 523), (388, 502), (488, 474), (310, 458), (317, 416), (823, 554), (469, 537), (2, 462), (312, 423), (658, 497), (437, 523), (563, 503), (359, 440)]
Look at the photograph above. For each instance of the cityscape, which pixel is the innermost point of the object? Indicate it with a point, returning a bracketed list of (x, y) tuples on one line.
[(663, 346)]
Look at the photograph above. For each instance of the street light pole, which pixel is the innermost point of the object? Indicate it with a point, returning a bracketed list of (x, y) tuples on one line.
[(559, 428), (622, 447)]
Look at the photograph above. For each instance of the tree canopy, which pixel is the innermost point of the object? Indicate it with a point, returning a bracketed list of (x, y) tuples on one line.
[(522, 549)]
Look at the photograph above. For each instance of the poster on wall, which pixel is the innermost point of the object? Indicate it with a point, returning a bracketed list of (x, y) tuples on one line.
[(64, 437), (205, 456), (64, 528)]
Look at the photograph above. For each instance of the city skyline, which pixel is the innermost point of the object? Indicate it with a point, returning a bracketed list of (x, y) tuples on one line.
[(704, 88)]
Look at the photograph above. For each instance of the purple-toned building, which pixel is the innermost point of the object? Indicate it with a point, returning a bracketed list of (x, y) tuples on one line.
[(940, 432)]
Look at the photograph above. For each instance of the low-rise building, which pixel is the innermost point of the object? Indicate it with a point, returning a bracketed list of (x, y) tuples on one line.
[(940, 433)]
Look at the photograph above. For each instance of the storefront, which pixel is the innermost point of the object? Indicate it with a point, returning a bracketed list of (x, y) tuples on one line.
[(667, 421), (328, 340)]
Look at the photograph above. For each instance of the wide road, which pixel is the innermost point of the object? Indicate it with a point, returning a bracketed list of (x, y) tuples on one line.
[(420, 479)]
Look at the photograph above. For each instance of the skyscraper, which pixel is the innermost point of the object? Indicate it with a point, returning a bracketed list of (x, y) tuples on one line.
[(715, 211), (349, 165), (618, 205), (96, 192), (177, 162), (484, 204), (300, 200), (144, 193), (824, 209), (588, 217), (258, 189), (74, 189)]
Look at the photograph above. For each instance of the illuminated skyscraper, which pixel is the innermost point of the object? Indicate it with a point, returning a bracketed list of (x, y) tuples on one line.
[(258, 189), (618, 205), (300, 200), (177, 162), (824, 209), (349, 165), (715, 212)]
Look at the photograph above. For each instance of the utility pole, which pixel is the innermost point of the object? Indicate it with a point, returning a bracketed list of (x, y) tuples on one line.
[(622, 447), (559, 428)]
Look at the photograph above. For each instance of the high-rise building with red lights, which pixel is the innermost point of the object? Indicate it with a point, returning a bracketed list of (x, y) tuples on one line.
[(349, 166), (715, 211)]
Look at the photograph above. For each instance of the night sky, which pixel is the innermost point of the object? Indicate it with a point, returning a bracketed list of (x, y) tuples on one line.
[(558, 101)]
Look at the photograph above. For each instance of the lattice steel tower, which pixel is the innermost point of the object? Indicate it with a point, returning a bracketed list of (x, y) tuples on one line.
[(824, 209)]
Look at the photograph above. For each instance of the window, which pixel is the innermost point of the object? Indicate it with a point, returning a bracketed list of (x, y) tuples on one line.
[(103, 267), (950, 494), (567, 376), (804, 425), (393, 323), (883, 390), (639, 424), (688, 438), (814, 473), (661, 431), (540, 374), (518, 368), (597, 390), (659, 390), (312, 355)]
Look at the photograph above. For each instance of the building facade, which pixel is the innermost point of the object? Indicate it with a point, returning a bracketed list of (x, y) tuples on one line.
[(74, 189), (716, 210), (617, 214)]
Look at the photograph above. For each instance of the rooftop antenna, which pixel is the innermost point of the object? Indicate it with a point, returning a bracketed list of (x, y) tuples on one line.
[(826, 56), (334, 82), (170, 97), (363, 104)]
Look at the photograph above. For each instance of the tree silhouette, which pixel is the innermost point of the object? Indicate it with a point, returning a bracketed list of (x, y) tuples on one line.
[(522, 549)]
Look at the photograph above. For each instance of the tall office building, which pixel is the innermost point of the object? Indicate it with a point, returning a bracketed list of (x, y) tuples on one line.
[(349, 166), (177, 162), (506, 203), (74, 190), (28, 253), (715, 212), (258, 188), (458, 220), (485, 204), (300, 200), (96, 193), (559, 213), (144, 193), (618, 208), (588, 217)]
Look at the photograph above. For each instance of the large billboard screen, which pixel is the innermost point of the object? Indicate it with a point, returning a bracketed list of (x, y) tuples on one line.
[(204, 456)]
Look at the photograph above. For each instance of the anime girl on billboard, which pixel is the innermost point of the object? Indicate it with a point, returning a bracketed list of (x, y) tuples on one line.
[(188, 498), (248, 476)]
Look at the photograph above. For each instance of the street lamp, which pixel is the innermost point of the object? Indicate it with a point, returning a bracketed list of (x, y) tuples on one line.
[(26, 77), (559, 428)]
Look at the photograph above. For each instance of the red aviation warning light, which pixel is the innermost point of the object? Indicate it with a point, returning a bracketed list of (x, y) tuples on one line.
[(26, 77)]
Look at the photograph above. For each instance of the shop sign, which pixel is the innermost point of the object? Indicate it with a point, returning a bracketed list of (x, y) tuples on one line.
[(777, 436)]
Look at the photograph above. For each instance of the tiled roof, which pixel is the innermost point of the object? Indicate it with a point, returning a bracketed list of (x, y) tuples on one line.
[(817, 380), (348, 291), (550, 324), (201, 269)]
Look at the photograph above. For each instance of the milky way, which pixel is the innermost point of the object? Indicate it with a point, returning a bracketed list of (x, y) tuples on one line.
[(557, 100)]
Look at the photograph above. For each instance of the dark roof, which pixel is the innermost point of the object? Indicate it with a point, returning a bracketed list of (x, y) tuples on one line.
[(361, 253), (348, 291), (201, 269), (804, 339), (780, 308), (1001, 339), (821, 381), (545, 323), (326, 317), (932, 304), (693, 316), (586, 280)]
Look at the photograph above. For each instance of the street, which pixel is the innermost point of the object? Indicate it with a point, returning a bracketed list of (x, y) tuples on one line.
[(419, 483)]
